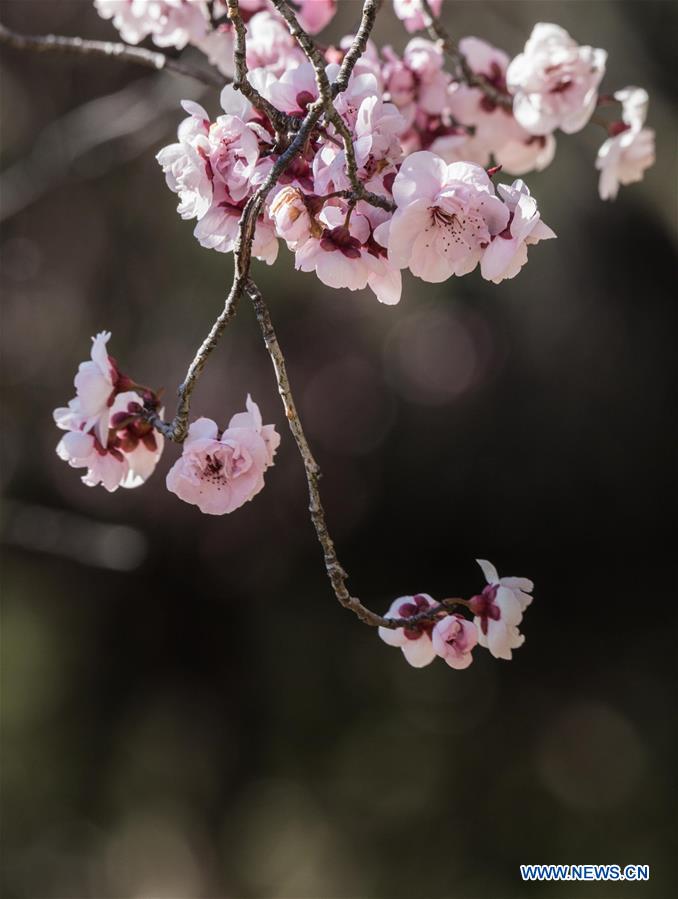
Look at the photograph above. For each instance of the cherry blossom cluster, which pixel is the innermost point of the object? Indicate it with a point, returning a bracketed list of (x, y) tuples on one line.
[(421, 142), (448, 218), (436, 631), (178, 23), (106, 429), (108, 433)]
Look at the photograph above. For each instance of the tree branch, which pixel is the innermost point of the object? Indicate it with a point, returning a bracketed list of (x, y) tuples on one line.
[(335, 572), (357, 48), (464, 71), (77, 46), (280, 121)]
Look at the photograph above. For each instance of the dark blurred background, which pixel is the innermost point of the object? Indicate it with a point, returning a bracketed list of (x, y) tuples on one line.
[(187, 712)]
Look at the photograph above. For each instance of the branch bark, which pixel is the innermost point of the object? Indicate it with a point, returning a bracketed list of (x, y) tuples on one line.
[(281, 122), (77, 46)]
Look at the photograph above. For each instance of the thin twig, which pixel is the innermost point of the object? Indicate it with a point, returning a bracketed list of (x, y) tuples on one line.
[(464, 71), (280, 121), (176, 430), (77, 46), (335, 572), (357, 48)]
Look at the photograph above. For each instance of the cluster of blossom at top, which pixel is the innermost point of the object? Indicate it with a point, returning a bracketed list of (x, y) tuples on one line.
[(553, 84), (177, 23), (448, 217), (497, 611), (109, 434)]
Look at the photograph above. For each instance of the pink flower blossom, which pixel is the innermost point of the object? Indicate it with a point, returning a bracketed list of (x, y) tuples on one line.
[(493, 123), (218, 230), (270, 44), (187, 170), (446, 216), (336, 257), (453, 638), (139, 443), (630, 149), (233, 154), (377, 129), (496, 132), (84, 450), (555, 81), (499, 610), (314, 15), (170, 23), (294, 90), (124, 455), (219, 473), (415, 642), (411, 12), (426, 61), (507, 252), (94, 386), (290, 213), (523, 152)]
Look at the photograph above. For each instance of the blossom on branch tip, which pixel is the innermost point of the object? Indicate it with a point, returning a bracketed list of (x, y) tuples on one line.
[(453, 638), (630, 148), (507, 252), (499, 610), (106, 429), (94, 386), (555, 81), (415, 642), (219, 472)]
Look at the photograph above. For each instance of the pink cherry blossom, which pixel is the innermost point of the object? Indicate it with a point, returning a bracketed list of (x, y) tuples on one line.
[(494, 124), (233, 154), (139, 443), (170, 23), (289, 211), (425, 61), (415, 642), (499, 610), (185, 164), (94, 386), (314, 15), (630, 149), (218, 46), (84, 450), (523, 152), (270, 44), (411, 12), (446, 216), (294, 90), (507, 252), (219, 473), (377, 129), (453, 638), (337, 257), (555, 81), (218, 230)]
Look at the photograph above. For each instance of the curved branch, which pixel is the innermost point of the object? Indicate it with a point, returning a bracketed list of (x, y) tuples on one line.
[(77, 46), (335, 572)]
